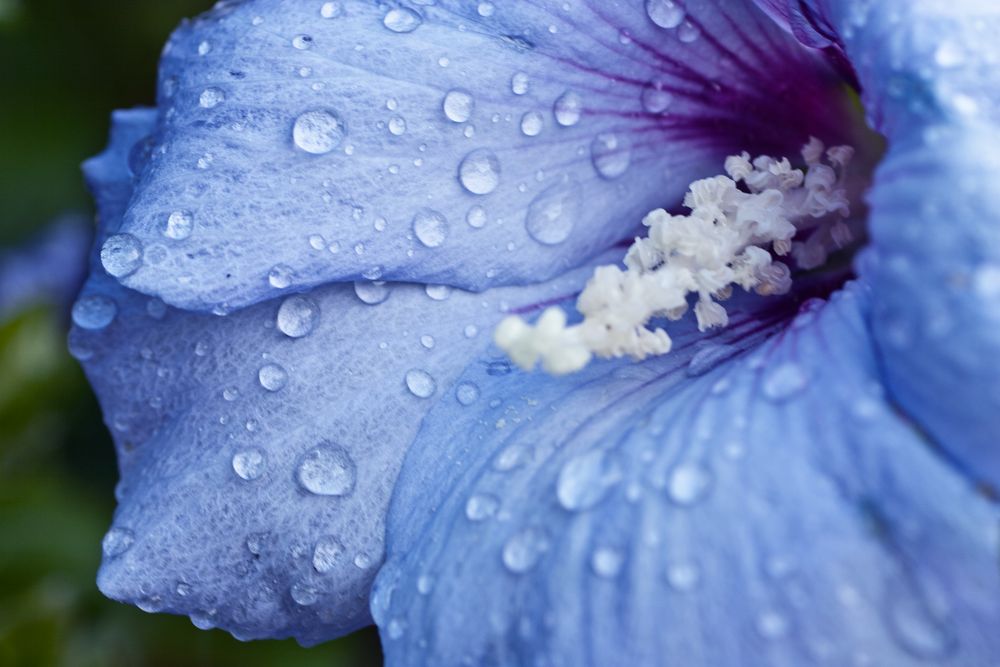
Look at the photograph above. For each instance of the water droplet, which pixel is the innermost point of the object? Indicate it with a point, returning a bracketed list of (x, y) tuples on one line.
[(318, 131), (372, 293), (568, 108), (476, 217), (486, 9), (437, 292), (458, 106), (689, 484), (519, 83), (327, 470), (272, 377), (297, 316), (785, 381), (401, 19), (772, 625), (523, 551), (178, 225), (654, 98), (683, 577), (156, 309), (362, 561), (397, 126), (585, 479), (610, 155), (280, 276), (249, 464), (708, 357), (430, 227), (425, 583), (94, 312), (467, 393), (553, 212), (920, 631), (327, 552), (330, 10), (607, 562), (230, 393), (479, 171), (688, 32), (665, 13), (949, 54), (302, 42), (183, 589), (204, 48), (420, 383), (211, 97), (304, 593), (512, 457), (116, 542), (532, 123), (481, 506), (395, 629), (121, 255)]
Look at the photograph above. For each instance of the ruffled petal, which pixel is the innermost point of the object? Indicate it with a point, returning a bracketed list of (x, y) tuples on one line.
[(258, 451), (932, 87), (455, 142), (770, 509)]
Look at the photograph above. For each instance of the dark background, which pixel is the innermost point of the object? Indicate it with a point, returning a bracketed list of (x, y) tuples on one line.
[(64, 65)]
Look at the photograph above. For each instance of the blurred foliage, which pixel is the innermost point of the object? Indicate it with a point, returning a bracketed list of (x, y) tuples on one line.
[(63, 67)]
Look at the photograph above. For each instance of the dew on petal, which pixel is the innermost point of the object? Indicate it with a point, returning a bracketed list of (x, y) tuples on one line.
[(372, 292), (437, 292), (116, 542), (476, 217), (683, 576), (785, 381), (430, 227), (249, 464), (420, 383), (607, 562), (479, 171), (302, 42), (552, 213), (568, 109), (654, 98), (397, 126), (689, 484), (327, 552), (584, 480), (665, 13), (467, 393), (318, 131), (210, 98), (524, 549), (327, 470), (610, 155), (519, 83), (481, 506), (272, 377), (772, 625), (401, 19), (532, 123), (458, 105), (121, 255), (178, 225), (280, 276), (94, 312), (304, 593), (297, 316), (330, 10)]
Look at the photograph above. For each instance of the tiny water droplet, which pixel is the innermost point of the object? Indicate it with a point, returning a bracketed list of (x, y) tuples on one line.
[(785, 381), (420, 383), (481, 506), (302, 42), (683, 577), (665, 13), (327, 552), (467, 393), (524, 549), (476, 217), (519, 83), (280, 276), (330, 10), (401, 20), (211, 97), (438, 292), (318, 131), (772, 625), (532, 123), (121, 255), (654, 98), (458, 105), (327, 470), (372, 293), (304, 593), (272, 377), (607, 562), (178, 225), (425, 583), (689, 484), (610, 155), (430, 227), (397, 126), (553, 212), (568, 109), (116, 542), (94, 312), (585, 479)]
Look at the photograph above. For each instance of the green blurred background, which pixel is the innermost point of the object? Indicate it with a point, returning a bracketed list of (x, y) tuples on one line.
[(64, 65)]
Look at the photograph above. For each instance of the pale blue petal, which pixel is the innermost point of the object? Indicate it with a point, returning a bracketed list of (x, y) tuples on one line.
[(256, 467), (622, 113), (774, 510)]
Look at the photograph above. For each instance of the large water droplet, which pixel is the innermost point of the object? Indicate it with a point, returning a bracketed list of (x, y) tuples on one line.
[(401, 19), (553, 212), (479, 171), (481, 506), (532, 123), (430, 227), (458, 105), (665, 13), (327, 470), (420, 383), (372, 293), (523, 551), (318, 131), (785, 381), (297, 316), (94, 312), (121, 255), (568, 108), (689, 484), (116, 542), (249, 464), (178, 225), (610, 154), (328, 551), (585, 479), (272, 377)]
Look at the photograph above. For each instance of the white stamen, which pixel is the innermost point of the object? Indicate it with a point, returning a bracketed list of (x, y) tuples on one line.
[(721, 243)]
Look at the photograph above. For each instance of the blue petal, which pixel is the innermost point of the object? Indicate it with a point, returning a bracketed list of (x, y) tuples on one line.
[(772, 510), (392, 141), (932, 87), (258, 450)]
